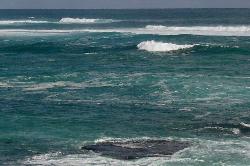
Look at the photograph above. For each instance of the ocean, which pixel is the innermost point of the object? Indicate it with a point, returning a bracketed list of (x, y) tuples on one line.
[(74, 77)]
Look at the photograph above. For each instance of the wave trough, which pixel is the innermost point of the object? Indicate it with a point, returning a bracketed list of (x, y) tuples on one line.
[(153, 46)]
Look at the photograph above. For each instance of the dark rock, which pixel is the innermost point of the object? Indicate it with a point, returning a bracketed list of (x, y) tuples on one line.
[(137, 149)]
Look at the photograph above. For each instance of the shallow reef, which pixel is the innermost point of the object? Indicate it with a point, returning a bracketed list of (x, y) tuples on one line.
[(131, 150)]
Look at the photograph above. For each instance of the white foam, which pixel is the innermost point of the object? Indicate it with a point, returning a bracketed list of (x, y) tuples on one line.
[(111, 139), (44, 86), (64, 84), (150, 29), (7, 22), (174, 30), (30, 32), (203, 152), (69, 20), (5, 85), (57, 159), (236, 131), (155, 27), (240, 30), (154, 46)]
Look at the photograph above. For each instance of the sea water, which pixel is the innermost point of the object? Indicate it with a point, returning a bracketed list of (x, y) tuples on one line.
[(74, 77)]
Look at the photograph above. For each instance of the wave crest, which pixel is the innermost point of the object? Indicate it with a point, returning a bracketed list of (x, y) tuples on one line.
[(69, 20), (153, 46), (241, 28), (150, 29), (155, 27), (6, 22)]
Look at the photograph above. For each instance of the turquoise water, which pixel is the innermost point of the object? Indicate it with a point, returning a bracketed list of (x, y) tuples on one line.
[(73, 77)]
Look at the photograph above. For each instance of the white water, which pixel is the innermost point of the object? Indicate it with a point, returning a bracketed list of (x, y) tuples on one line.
[(202, 152), (153, 46), (150, 29), (66, 20), (201, 30), (7, 22), (69, 20)]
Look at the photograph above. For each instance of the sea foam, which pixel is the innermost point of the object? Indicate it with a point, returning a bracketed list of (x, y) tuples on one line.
[(240, 30), (200, 28), (69, 20), (7, 22), (154, 46), (150, 29), (190, 156)]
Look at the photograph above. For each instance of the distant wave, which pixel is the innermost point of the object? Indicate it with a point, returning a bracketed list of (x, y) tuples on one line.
[(6, 22), (240, 30), (62, 21), (156, 27), (200, 28), (150, 29), (69, 20), (30, 32), (153, 46)]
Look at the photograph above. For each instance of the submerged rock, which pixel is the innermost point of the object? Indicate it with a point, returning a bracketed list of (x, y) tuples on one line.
[(137, 149)]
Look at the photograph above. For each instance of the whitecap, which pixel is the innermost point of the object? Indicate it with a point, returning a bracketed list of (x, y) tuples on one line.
[(150, 29), (7, 22), (69, 20), (239, 30), (91, 158), (30, 32), (5, 85), (44, 86), (57, 159), (236, 131), (201, 153), (153, 46)]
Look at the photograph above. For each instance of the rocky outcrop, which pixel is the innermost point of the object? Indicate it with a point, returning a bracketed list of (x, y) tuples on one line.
[(130, 150)]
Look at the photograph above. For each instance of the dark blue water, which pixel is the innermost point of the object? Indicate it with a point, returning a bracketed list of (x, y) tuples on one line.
[(73, 77)]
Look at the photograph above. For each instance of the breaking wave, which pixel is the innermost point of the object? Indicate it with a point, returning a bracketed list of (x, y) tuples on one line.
[(153, 46), (190, 156), (150, 29), (91, 158), (8, 22), (245, 125), (201, 28), (69, 20), (240, 30), (58, 159)]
